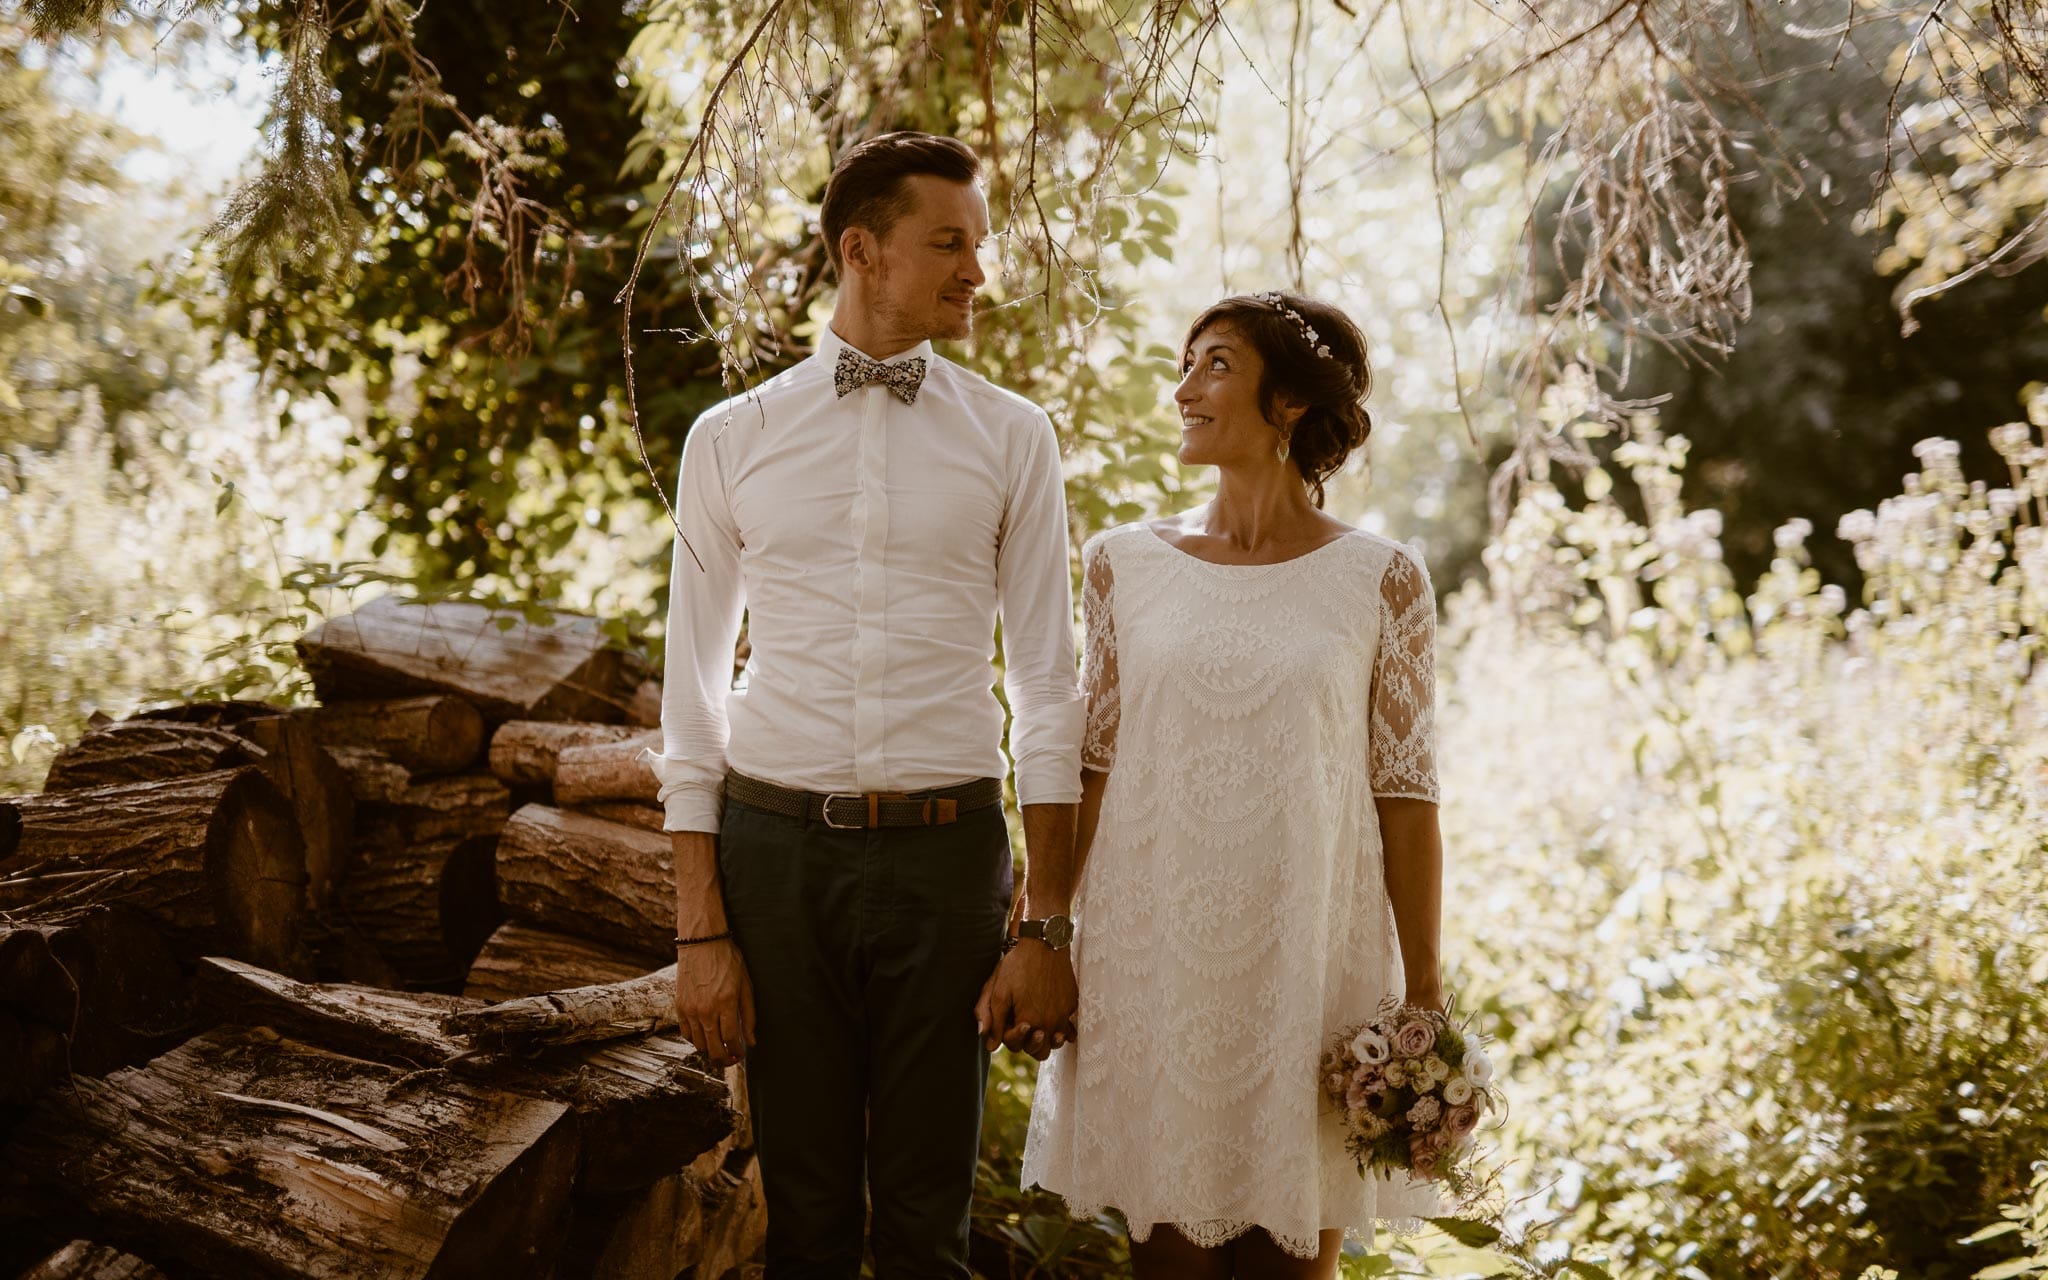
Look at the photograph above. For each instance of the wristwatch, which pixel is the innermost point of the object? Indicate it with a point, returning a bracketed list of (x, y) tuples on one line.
[(1054, 931)]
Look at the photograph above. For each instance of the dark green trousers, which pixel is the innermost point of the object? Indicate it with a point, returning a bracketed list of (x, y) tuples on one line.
[(867, 950)]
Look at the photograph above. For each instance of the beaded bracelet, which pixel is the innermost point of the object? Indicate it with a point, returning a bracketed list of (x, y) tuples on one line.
[(682, 942)]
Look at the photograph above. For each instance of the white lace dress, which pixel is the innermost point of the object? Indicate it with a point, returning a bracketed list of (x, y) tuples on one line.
[(1233, 912)]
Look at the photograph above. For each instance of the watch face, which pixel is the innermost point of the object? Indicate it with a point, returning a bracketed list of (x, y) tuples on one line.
[(1059, 931)]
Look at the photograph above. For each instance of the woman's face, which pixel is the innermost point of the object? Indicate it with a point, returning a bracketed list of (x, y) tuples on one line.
[(1218, 396)]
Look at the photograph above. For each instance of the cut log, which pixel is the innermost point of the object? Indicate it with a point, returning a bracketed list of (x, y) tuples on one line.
[(215, 858), (242, 1154), (320, 793), (423, 889), (103, 977), (607, 771), (32, 1058), (644, 707), (431, 734), (373, 777), (84, 1260), (10, 829), (129, 751), (645, 1107), (523, 753), (600, 880), (520, 960), (608, 1011), (510, 668), (173, 742), (647, 817)]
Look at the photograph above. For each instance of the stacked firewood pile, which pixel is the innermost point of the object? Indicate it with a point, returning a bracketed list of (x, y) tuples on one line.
[(363, 989)]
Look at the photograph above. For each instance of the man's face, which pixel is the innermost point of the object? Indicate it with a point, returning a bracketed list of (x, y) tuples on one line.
[(928, 267)]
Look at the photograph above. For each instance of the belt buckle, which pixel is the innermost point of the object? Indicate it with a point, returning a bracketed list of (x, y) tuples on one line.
[(825, 811)]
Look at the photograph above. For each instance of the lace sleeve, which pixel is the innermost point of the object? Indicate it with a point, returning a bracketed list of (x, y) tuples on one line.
[(1098, 661), (1403, 747)]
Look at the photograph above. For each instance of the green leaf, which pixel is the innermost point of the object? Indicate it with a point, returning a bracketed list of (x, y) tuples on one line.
[(1591, 1270), (1991, 1232), (2016, 1267), (1466, 1231)]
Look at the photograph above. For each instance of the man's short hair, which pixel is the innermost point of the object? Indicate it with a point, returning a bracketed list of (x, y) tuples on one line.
[(866, 188)]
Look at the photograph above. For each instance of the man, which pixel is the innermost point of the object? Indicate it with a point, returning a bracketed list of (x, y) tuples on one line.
[(842, 865)]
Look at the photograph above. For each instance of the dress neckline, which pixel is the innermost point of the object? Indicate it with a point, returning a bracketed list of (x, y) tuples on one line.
[(1156, 536)]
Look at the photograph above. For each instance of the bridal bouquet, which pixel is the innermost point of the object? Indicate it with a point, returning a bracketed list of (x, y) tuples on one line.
[(1412, 1086)]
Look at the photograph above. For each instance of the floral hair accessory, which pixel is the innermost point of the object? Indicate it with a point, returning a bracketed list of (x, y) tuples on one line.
[(1279, 304)]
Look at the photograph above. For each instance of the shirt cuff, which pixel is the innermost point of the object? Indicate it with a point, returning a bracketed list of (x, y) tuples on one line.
[(689, 802), (1047, 746)]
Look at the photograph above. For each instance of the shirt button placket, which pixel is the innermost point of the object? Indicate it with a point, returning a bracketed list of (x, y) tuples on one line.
[(870, 768)]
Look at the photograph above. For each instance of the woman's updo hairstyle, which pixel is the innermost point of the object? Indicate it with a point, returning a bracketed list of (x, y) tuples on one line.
[(1330, 375)]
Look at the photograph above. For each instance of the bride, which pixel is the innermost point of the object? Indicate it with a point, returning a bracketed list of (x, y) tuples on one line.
[(1258, 823)]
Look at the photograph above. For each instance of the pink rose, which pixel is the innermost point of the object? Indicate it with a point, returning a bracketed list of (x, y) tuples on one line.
[(1414, 1039), (1423, 1154), (1336, 1083), (1461, 1120), (1370, 1078), (1356, 1097)]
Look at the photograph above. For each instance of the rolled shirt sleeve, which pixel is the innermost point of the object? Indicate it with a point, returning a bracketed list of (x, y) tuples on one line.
[(704, 608), (1034, 595)]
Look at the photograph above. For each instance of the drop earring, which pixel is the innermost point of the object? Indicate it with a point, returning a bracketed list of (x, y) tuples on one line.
[(1282, 450)]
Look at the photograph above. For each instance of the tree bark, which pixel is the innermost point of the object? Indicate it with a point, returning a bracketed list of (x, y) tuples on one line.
[(389, 649), (600, 880), (523, 753), (84, 1260), (645, 1108), (320, 793), (373, 777), (215, 859), (606, 771), (242, 1154), (520, 960), (430, 734), (578, 1015), (130, 751), (631, 813), (423, 890)]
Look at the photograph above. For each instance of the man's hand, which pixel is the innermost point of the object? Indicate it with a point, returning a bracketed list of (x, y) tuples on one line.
[(714, 1001), (1029, 1003)]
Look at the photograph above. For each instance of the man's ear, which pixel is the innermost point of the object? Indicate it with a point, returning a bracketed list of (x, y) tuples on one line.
[(857, 250)]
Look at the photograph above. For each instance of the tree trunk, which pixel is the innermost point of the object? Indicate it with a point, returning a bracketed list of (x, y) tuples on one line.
[(129, 751), (215, 858), (523, 753), (389, 649), (606, 771), (241, 1154), (645, 1109), (424, 890), (520, 960), (84, 1260), (427, 735), (577, 1015), (373, 777), (600, 880)]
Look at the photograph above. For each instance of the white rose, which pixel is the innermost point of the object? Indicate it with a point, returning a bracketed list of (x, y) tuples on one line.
[(1436, 1068), (1397, 1074), (1458, 1091), (1478, 1067), (1370, 1046)]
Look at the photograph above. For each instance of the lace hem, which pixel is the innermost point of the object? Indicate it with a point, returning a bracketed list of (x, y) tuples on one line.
[(1216, 1232)]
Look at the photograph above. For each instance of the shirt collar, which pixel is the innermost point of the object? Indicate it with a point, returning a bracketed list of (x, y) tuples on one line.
[(830, 344)]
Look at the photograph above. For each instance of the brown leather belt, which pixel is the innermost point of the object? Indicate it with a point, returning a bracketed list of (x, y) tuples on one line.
[(866, 810)]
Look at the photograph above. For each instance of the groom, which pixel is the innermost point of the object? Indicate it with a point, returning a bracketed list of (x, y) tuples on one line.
[(843, 870)]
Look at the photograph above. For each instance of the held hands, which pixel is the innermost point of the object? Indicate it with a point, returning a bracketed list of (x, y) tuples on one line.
[(715, 1001), (1028, 1005)]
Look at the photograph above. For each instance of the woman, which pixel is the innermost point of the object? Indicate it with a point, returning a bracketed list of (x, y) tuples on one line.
[(1258, 823)]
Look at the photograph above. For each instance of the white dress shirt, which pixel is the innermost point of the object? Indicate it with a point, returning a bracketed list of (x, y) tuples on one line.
[(873, 545)]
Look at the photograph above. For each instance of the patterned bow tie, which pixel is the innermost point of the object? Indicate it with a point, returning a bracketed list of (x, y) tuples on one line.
[(855, 371)]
